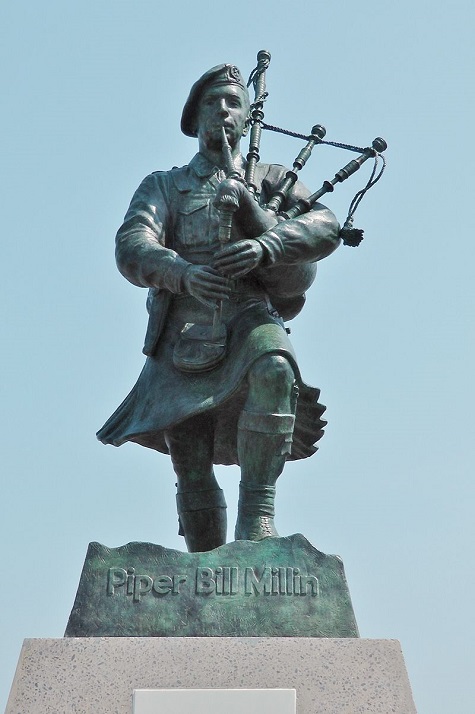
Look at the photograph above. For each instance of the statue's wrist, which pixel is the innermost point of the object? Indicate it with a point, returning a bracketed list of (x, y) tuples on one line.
[(185, 278)]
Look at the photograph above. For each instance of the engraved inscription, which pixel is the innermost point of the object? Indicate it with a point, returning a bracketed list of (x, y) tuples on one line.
[(226, 580), (222, 581), (139, 585), (279, 581)]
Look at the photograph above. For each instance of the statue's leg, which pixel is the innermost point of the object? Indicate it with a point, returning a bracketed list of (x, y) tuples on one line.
[(264, 443), (200, 502)]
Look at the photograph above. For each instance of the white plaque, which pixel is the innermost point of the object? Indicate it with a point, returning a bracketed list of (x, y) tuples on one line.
[(204, 701)]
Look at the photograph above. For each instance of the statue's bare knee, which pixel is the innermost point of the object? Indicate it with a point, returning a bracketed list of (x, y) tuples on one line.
[(271, 379)]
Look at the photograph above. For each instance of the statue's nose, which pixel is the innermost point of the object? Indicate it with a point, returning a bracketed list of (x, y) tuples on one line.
[(222, 108)]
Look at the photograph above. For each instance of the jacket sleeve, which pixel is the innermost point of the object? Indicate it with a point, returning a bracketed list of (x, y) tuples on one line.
[(307, 238), (141, 252)]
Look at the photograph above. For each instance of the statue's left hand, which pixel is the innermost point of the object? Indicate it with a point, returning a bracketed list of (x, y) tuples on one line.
[(238, 259)]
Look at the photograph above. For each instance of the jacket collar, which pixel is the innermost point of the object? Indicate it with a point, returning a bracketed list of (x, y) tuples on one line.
[(204, 168)]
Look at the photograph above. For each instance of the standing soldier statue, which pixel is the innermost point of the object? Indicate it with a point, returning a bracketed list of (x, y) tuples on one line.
[(221, 384)]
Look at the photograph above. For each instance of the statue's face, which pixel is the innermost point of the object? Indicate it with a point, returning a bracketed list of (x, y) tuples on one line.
[(222, 105)]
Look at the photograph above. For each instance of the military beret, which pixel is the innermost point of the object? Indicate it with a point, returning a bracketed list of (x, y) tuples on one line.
[(221, 74)]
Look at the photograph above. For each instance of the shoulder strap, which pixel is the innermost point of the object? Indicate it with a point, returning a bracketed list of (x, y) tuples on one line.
[(180, 178)]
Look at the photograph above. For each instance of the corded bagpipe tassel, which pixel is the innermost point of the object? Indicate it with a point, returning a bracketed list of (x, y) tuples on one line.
[(349, 235)]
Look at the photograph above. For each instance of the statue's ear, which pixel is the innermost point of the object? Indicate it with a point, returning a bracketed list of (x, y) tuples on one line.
[(247, 125)]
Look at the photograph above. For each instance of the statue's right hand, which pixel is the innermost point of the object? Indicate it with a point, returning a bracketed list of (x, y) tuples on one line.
[(206, 284)]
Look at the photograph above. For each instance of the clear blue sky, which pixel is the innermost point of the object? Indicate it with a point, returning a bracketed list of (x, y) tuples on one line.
[(92, 95)]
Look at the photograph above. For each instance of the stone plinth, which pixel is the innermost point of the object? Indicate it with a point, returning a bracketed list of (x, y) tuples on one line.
[(330, 676)]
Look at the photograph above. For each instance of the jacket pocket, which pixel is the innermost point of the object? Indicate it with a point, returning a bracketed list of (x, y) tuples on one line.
[(193, 222)]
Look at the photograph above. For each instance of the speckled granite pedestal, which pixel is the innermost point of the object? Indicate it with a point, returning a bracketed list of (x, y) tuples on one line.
[(330, 676)]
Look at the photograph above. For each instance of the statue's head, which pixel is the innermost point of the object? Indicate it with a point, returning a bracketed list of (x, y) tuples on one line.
[(218, 91)]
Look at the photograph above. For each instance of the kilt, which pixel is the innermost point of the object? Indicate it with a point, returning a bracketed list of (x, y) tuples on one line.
[(164, 396)]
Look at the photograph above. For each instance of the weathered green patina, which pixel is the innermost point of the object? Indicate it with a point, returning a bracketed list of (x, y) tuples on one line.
[(221, 382), (275, 587)]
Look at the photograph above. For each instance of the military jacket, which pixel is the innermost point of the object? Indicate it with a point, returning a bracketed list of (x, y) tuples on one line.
[(172, 222)]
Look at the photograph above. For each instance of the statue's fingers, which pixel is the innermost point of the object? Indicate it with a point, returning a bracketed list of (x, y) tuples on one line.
[(226, 261), (210, 271), (240, 267), (212, 280), (239, 272), (217, 292), (247, 264), (221, 260)]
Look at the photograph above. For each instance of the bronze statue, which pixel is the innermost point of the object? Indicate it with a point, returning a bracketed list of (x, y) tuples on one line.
[(221, 384)]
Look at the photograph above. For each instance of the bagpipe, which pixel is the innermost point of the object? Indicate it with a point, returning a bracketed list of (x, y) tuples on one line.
[(350, 236), (286, 284)]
